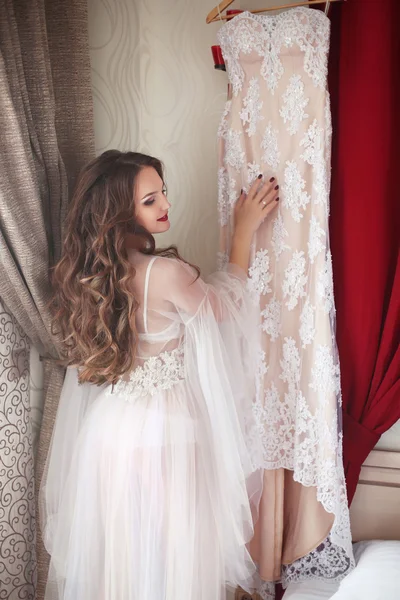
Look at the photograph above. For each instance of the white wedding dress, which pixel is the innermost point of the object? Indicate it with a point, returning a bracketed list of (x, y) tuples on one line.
[(151, 487), (277, 122)]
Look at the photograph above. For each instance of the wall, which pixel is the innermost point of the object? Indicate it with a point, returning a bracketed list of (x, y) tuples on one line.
[(156, 91)]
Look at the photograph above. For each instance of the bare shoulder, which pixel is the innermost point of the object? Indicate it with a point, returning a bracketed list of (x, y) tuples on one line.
[(172, 270)]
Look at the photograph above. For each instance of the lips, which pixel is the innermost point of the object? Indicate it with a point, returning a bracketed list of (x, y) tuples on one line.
[(163, 219)]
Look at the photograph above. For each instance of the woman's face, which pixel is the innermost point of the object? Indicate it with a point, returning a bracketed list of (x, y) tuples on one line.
[(151, 204)]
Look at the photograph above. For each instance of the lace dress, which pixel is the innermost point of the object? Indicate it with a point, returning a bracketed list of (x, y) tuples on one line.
[(152, 486), (277, 122)]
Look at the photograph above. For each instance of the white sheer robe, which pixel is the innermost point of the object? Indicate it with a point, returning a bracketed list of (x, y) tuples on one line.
[(152, 487)]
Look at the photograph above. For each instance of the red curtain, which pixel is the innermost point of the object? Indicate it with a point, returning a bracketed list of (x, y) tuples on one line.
[(364, 75)]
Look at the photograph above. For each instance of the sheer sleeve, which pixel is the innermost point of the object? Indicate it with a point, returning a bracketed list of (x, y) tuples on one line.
[(222, 352), (225, 291)]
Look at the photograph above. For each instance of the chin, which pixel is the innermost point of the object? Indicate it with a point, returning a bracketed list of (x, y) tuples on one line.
[(162, 227)]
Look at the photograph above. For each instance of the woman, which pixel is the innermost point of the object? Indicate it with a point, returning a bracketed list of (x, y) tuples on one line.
[(151, 485)]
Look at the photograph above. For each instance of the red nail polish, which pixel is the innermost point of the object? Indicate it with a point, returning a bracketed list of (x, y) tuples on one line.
[(272, 179), (260, 175), (276, 199), (276, 187), (241, 191)]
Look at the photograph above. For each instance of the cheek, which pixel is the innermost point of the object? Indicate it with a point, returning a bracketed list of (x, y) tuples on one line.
[(146, 216), (140, 216)]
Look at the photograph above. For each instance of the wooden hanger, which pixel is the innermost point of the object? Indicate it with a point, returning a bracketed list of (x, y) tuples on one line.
[(215, 14)]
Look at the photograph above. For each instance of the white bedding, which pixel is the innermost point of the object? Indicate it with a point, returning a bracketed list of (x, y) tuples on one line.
[(311, 590), (376, 577)]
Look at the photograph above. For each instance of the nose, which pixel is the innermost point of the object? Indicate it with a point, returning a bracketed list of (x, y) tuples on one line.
[(165, 204)]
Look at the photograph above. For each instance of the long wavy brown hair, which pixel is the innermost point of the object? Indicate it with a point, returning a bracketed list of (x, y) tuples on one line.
[(93, 306)]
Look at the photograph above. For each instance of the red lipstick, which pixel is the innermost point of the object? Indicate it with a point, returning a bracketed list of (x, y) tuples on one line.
[(164, 218)]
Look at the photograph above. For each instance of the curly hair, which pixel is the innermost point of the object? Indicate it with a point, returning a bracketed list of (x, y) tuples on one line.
[(93, 307)]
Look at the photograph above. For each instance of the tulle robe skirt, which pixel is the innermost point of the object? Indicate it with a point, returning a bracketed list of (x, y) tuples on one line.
[(151, 492)]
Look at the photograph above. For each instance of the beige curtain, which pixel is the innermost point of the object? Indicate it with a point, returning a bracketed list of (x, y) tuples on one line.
[(46, 125)]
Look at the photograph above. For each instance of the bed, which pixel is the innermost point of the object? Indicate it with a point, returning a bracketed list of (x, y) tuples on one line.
[(375, 520)]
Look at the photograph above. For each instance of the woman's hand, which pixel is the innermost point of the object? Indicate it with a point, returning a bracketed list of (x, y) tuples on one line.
[(252, 209), (250, 212)]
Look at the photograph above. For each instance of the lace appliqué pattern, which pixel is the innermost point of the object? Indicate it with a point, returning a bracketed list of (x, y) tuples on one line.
[(222, 261), (316, 241), (312, 143), (252, 105), (325, 285), (307, 324), (279, 234), (246, 39), (249, 33), (325, 374), (223, 125), (272, 324), (325, 562), (314, 147), (227, 196), (294, 197), (294, 103), (295, 279), (269, 412), (266, 591), (253, 171), (234, 153), (160, 372), (259, 275), (290, 364), (269, 144)]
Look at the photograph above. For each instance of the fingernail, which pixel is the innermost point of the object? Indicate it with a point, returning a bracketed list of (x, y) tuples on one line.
[(260, 175), (241, 191), (276, 187), (276, 199), (272, 179)]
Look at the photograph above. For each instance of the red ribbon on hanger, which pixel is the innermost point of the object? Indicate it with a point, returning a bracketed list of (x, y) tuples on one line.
[(219, 62)]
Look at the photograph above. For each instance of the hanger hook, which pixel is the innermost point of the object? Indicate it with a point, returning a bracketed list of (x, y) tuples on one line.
[(327, 6)]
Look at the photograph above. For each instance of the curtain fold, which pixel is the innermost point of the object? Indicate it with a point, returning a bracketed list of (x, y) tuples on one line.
[(46, 124), (365, 224)]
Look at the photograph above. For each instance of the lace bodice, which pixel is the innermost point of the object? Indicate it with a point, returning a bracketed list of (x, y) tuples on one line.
[(170, 296), (158, 373), (159, 363), (249, 39)]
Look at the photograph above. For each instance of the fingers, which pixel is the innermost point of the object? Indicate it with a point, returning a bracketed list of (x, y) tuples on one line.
[(268, 208), (240, 201), (266, 192), (254, 188)]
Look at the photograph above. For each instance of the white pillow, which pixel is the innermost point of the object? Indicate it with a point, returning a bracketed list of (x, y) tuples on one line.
[(377, 574), (314, 589)]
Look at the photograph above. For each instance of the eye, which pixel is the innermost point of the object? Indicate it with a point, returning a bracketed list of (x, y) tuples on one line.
[(164, 190), (149, 202)]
